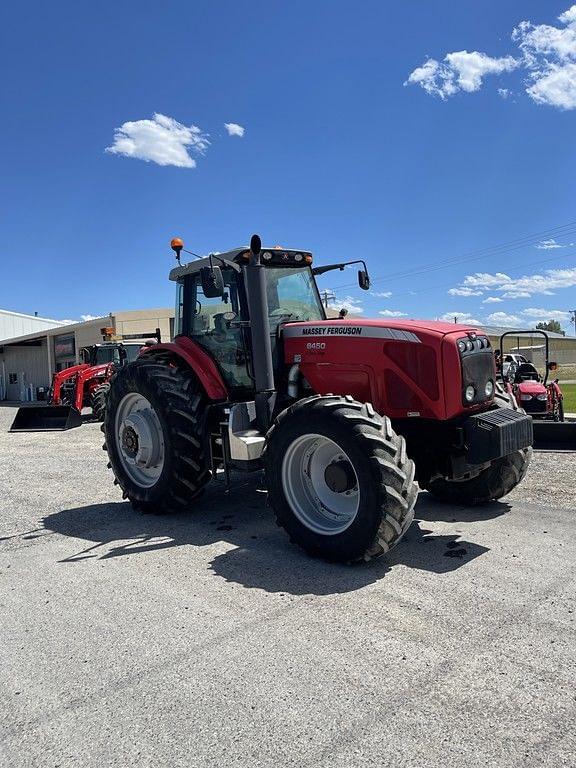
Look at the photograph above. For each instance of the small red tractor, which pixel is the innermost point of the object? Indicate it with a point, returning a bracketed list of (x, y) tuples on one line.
[(343, 415), (538, 397), (76, 387)]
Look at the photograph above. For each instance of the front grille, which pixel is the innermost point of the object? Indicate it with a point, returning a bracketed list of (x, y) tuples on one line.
[(477, 371), (534, 405)]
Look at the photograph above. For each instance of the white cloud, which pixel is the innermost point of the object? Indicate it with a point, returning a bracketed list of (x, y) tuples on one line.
[(556, 87), (517, 295), (85, 318), (161, 140), (460, 71), (538, 313), (547, 55), (391, 313), (354, 306), (569, 16), (522, 287), (504, 319), (234, 129), (464, 318), (464, 292), (550, 58), (381, 294), (492, 300), (546, 245)]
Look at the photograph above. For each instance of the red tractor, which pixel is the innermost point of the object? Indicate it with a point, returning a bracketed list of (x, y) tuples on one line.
[(344, 416), (76, 387), (538, 397), (85, 385)]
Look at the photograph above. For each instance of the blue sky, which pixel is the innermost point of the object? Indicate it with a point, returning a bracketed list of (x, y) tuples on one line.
[(338, 155)]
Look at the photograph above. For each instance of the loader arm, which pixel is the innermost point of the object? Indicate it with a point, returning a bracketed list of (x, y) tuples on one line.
[(61, 377)]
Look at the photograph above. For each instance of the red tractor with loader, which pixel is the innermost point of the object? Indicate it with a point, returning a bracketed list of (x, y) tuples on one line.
[(77, 387), (344, 416)]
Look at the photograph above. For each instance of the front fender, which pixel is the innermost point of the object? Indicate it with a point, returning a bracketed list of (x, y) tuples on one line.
[(198, 360)]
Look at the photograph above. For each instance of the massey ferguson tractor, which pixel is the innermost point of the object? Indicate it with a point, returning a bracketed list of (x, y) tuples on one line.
[(76, 387), (343, 415)]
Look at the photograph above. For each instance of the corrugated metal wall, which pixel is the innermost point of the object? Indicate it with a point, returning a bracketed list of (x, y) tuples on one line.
[(13, 325), (30, 361)]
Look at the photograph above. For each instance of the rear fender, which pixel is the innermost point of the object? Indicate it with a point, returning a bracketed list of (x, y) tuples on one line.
[(198, 360)]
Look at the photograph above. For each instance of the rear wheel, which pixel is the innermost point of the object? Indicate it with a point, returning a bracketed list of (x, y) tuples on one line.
[(99, 401), (155, 435), (339, 479), (494, 482)]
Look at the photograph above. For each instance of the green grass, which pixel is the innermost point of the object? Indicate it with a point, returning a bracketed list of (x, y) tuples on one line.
[(569, 392)]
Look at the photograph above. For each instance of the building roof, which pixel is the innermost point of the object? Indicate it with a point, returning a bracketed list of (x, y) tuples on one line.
[(25, 316), (493, 330)]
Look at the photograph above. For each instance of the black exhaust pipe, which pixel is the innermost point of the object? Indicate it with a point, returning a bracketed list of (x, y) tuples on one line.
[(260, 334)]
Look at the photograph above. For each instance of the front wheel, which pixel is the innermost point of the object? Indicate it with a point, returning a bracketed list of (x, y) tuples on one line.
[(99, 401), (155, 435), (339, 479)]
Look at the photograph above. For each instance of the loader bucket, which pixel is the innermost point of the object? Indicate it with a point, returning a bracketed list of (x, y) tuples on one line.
[(555, 435), (45, 418)]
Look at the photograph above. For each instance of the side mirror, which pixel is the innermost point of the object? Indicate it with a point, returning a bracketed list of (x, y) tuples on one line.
[(552, 366), (342, 314), (212, 282), (363, 279)]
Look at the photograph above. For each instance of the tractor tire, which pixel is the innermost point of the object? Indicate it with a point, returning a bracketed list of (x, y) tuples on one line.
[(339, 479), (155, 428), (494, 482), (99, 401)]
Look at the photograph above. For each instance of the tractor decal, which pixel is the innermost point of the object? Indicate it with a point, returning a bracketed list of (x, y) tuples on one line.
[(367, 332)]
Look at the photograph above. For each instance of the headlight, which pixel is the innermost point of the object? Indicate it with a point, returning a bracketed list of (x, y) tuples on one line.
[(542, 397), (469, 346), (525, 397), (479, 344), (298, 257), (462, 346), (469, 393), (267, 256), (489, 388)]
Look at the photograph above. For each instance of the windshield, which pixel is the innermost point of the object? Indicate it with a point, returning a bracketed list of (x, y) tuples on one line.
[(292, 295), (112, 355)]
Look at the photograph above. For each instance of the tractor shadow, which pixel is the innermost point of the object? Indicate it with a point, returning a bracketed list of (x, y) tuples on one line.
[(260, 556)]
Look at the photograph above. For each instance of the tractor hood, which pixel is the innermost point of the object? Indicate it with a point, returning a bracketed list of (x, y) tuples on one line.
[(531, 388), (405, 368)]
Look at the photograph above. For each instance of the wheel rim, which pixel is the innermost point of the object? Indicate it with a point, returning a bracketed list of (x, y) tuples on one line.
[(320, 484), (140, 440)]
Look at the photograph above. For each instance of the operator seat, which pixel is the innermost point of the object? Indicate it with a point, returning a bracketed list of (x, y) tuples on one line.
[(526, 372)]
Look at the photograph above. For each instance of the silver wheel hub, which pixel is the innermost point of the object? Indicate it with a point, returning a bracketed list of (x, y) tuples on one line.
[(320, 484), (140, 439)]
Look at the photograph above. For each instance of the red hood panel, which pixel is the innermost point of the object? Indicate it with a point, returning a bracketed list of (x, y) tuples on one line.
[(532, 388), (432, 326)]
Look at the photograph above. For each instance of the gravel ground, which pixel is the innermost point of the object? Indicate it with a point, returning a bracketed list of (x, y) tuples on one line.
[(209, 640)]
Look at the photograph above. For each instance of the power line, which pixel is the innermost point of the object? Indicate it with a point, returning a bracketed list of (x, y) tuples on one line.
[(356, 289), (564, 230)]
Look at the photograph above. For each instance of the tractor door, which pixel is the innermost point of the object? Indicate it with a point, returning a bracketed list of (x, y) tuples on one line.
[(214, 323)]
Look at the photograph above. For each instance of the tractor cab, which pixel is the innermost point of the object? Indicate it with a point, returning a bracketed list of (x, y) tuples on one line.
[(212, 306), (102, 354)]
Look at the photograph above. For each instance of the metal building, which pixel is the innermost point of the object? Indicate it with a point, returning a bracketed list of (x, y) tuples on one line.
[(14, 324), (28, 361)]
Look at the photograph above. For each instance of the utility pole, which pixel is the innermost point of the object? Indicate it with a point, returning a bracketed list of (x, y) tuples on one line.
[(326, 297), (573, 319)]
